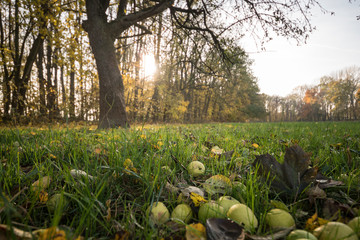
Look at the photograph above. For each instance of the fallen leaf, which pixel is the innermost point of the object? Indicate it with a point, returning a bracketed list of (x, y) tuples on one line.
[(316, 193), (75, 173), (314, 222), (195, 231), (108, 211), (122, 235), (291, 177), (7, 231), (197, 199), (217, 151), (224, 229), (255, 145), (276, 235), (43, 196), (52, 233)]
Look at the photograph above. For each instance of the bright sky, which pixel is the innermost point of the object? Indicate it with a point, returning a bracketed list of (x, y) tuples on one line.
[(335, 45)]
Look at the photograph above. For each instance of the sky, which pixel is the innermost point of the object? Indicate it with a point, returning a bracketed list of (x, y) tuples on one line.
[(333, 46)]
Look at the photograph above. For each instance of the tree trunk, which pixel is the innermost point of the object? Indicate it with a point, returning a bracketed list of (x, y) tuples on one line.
[(112, 102), (6, 91), (41, 79)]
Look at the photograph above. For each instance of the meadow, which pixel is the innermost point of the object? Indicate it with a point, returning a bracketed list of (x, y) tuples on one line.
[(122, 174)]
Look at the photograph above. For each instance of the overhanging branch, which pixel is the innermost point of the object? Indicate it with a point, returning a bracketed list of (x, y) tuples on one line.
[(123, 22)]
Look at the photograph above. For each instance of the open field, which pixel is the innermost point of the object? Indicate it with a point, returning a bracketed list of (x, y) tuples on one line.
[(123, 175)]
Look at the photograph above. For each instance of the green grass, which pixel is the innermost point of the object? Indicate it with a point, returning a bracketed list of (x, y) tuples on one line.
[(28, 154)]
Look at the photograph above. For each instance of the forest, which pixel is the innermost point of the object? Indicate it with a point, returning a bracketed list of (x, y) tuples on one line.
[(174, 67)]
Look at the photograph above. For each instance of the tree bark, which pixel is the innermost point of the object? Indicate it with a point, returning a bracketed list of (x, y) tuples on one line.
[(112, 102), (41, 80)]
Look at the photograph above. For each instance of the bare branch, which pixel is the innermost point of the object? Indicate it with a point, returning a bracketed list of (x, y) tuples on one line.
[(122, 23)]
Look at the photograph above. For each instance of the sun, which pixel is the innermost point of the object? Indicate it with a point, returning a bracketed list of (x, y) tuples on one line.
[(149, 65)]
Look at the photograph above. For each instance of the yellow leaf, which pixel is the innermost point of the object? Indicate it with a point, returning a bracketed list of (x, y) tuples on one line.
[(52, 233), (43, 196), (255, 145), (128, 165), (197, 199), (314, 222), (195, 231), (108, 211), (97, 150)]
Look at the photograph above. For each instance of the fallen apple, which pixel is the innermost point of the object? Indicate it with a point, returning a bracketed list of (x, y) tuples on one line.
[(300, 234), (196, 168), (182, 212), (211, 210), (335, 231), (227, 202), (243, 215), (218, 184), (158, 213), (355, 225), (239, 191), (278, 218), (56, 200), (41, 184), (166, 170)]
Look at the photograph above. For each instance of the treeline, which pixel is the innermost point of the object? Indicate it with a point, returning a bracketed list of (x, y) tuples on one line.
[(48, 72), (336, 97)]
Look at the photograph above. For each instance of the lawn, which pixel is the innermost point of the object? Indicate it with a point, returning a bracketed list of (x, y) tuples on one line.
[(99, 184)]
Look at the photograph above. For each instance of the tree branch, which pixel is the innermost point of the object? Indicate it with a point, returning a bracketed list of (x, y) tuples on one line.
[(121, 23)]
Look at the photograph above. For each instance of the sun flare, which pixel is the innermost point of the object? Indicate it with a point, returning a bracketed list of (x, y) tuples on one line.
[(149, 65)]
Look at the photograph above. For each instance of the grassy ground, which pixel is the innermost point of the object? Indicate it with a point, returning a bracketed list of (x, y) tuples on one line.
[(115, 199)]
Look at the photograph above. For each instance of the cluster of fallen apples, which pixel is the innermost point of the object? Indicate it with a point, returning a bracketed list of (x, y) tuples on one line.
[(230, 208)]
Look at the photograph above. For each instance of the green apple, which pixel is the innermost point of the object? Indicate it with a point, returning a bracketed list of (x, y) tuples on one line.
[(279, 218), (166, 170), (243, 215), (355, 225), (196, 168), (239, 191), (182, 212), (211, 210), (218, 184), (300, 234), (335, 231), (56, 200), (227, 202), (158, 213)]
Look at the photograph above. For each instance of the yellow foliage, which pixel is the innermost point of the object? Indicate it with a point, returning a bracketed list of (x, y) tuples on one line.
[(52, 233), (195, 231), (128, 165), (197, 199), (314, 222), (43, 196)]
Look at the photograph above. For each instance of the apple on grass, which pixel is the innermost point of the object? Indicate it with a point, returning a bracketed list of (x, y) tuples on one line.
[(243, 215), (158, 213), (182, 212), (335, 231), (227, 202), (196, 168), (211, 210)]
